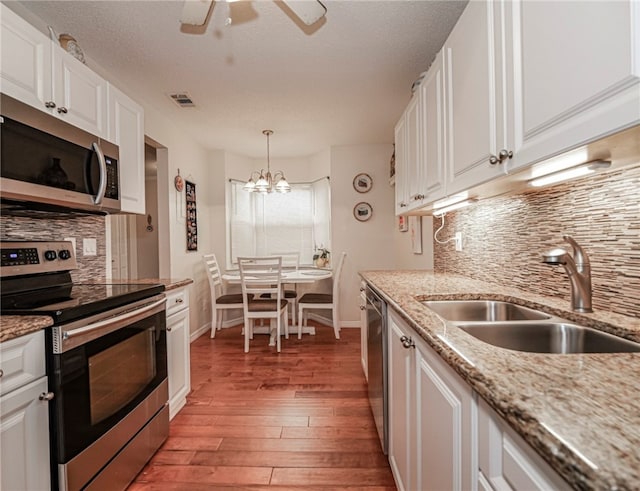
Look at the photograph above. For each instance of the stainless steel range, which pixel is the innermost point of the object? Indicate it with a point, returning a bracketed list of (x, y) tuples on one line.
[(106, 364)]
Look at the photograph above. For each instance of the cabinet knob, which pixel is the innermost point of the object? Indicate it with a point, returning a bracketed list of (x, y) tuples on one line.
[(418, 197), (505, 154), (62, 110), (179, 300), (168, 328), (46, 396), (407, 342), (403, 204), (50, 104), (1, 372), (493, 160), (362, 307)]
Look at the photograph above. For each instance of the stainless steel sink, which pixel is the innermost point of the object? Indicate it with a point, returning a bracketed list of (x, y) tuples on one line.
[(549, 337), (482, 311)]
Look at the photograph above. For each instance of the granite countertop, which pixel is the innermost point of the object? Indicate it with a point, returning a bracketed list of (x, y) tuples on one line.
[(13, 326), (580, 412)]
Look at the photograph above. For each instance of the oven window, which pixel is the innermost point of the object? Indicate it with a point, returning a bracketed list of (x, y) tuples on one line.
[(120, 373)]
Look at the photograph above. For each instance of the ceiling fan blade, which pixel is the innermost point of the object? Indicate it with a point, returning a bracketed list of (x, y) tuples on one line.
[(194, 12), (309, 11)]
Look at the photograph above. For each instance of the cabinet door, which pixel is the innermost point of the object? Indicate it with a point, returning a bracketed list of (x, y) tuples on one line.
[(413, 153), (178, 360), (24, 438), (80, 94), (402, 190), (432, 100), (126, 129), (446, 426), (576, 73), (401, 380), (25, 71), (473, 104)]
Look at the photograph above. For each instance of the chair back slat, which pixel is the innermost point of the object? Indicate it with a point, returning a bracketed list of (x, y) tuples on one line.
[(260, 275), (336, 277)]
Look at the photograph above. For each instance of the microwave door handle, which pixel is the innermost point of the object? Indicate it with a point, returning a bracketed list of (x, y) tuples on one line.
[(102, 187)]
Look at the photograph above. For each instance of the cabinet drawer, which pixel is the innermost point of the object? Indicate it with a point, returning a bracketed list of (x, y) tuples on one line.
[(177, 300), (21, 361)]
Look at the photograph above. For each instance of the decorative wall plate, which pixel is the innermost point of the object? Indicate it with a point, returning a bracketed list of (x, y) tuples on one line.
[(362, 183), (362, 211)]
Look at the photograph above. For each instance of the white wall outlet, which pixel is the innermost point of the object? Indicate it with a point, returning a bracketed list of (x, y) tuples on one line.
[(73, 243), (458, 238), (89, 247)]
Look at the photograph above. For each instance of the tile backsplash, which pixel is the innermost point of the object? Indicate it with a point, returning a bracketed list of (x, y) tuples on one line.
[(504, 237), (58, 227)]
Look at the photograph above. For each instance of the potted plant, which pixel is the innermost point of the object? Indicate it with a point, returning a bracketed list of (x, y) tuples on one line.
[(321, 257)]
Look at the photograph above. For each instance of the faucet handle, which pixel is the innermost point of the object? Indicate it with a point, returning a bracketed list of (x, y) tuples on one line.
[(579, 255)]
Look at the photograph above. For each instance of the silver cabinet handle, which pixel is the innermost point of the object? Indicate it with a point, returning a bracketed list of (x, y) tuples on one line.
[(179, 300), (49, 104), (46, 396), (62, 110), (501, 157), (407, 342), (102, 187)]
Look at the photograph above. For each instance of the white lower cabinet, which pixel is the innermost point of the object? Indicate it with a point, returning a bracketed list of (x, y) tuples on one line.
[(363, 328), (24, 415), (178, 354), (506, 462), (432, 417)]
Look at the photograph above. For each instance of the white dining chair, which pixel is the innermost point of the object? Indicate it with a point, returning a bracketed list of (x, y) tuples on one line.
[(290, 261), (312, 301), (219, 300), (258, 276)]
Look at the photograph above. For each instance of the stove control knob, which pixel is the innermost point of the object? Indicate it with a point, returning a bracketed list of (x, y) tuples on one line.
[(50, 255), (64, 254)]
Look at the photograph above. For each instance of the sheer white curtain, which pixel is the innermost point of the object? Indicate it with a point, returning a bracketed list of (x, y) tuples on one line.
[(261, 224)]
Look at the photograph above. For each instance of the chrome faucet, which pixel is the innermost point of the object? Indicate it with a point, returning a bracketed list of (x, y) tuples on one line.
[(579, 271)]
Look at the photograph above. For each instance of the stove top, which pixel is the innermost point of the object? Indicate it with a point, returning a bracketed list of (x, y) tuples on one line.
[(36, 281)]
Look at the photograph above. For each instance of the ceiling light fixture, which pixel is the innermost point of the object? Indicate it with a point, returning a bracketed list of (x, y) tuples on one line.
[(571, 173), (265, 182)]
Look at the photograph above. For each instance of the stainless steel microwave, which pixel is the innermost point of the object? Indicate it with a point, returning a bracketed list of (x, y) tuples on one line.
[(48, 163)]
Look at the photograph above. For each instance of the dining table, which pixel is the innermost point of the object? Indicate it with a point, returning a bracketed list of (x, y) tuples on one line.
[(290, 277)]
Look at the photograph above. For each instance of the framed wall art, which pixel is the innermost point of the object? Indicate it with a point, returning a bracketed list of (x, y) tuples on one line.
[(415, 230), (362, 183), (192, 221), (362, 211), (403, 224)]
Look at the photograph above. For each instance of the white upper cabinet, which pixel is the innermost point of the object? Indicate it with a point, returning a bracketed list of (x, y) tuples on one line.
[(420, 143), (79, 94), (402, 188), (126, 129), (475, 117), (576, 73), (25, 66), (40, 73)]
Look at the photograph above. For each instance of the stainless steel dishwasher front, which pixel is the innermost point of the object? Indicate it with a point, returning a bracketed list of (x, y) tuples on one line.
[(376, 310)]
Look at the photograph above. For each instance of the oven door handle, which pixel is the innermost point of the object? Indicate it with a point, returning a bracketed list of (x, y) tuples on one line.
[(97, 329)]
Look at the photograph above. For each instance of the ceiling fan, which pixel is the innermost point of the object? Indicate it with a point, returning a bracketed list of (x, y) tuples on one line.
[(195, 12)]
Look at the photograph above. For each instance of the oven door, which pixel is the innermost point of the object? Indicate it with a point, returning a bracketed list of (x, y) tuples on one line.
[(103, 371)]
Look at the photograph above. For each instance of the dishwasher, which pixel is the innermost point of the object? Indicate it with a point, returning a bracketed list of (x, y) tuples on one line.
[(376, 310)]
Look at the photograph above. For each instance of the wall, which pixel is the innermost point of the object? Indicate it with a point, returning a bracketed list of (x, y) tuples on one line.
[(59, 227), (370, 244), (147, 240), (504, 237)]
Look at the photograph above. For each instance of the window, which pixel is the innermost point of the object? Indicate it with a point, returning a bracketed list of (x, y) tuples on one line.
[(263, 224)]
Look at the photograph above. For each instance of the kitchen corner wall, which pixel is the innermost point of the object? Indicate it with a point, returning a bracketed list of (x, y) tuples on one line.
[(504, 237), (59, 227)]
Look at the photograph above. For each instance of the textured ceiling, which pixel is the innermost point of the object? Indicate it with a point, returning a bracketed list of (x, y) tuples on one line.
[(345, 80)]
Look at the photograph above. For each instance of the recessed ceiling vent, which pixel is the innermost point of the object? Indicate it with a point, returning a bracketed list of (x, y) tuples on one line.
[(182, 99)]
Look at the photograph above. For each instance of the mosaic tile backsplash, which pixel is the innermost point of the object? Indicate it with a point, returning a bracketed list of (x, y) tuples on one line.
[(58, 227), (504, 237)]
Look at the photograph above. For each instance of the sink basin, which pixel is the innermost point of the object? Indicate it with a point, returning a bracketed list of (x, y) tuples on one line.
[(482, 311), (549, 337)]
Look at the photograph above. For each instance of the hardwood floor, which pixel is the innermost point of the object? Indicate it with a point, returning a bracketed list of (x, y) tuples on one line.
[(262, 420)]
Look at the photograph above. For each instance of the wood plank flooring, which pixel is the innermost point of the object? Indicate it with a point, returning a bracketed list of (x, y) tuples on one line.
[(298, 420)]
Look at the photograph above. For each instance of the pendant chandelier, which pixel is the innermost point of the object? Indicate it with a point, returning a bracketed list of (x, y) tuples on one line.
[(267, 183)]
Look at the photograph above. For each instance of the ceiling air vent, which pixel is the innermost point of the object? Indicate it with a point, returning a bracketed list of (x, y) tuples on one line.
[(182, 99)]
